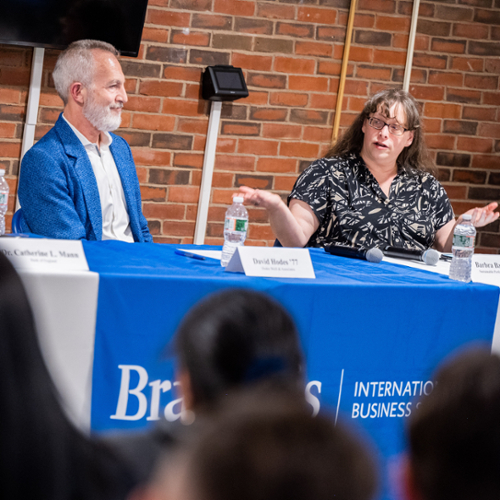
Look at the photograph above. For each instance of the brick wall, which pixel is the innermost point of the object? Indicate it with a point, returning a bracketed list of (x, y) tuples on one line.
[(456, 76), (291, 53)]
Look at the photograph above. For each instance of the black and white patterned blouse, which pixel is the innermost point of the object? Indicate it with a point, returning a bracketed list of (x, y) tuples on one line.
[(353, 210)]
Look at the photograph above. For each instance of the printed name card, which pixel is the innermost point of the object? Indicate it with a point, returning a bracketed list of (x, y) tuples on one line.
[(486, 269), (270, 262), (37, 254)]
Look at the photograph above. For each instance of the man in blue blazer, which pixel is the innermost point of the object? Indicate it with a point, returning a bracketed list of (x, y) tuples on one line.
[(79, 181)]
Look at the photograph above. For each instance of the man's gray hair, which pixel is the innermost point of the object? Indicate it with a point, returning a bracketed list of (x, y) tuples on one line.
[(76, 64)]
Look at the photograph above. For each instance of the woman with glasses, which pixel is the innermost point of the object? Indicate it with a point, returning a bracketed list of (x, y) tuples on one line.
[(373, 188)]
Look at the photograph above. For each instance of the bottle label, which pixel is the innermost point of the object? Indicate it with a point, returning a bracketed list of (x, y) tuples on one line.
[(3, 198), (463, 240), (234, 224)]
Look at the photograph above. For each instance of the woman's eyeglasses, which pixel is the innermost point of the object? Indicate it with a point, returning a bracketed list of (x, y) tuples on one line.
[(394, 128)]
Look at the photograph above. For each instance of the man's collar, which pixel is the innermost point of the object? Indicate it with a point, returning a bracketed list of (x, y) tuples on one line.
[(106, 138)]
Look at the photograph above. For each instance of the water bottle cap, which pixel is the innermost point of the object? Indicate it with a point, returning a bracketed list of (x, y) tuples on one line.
[(466, 217), (238, 199), (2, 172)]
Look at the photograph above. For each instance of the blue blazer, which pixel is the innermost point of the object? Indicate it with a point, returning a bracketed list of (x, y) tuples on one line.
[(58, 190)]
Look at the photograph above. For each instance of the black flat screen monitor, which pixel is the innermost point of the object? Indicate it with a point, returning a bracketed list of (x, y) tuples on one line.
[(56, 23), (223, 83)]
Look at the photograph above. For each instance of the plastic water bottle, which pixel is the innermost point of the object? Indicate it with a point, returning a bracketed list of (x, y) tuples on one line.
[(235, 229), (4, 200), (463, 249)]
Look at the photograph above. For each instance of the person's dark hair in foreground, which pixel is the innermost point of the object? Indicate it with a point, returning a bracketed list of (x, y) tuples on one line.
[(228, 341), (232, 339), (42, 455), (454, 436), (267, 446)]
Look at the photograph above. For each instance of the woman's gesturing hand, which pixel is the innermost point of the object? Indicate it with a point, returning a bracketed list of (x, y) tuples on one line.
[(481, 216), (292, 226), (259, 198)]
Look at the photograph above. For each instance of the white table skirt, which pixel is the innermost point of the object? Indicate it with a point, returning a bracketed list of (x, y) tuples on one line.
[(65, 307)]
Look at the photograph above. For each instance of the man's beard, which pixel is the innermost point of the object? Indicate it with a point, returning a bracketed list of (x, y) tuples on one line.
[(102, 117)]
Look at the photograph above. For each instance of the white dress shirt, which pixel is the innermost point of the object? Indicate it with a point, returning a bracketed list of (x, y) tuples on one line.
[(115, 219)]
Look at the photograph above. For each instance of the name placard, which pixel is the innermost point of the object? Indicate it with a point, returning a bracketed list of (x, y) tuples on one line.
[(37, 254), (486, 269), (270, 262)]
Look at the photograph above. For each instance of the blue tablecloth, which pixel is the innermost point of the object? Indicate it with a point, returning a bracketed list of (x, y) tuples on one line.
[(372, 333)]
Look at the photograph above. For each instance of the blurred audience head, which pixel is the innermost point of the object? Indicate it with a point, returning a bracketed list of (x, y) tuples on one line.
[(42, 455), (454, 435), (266, 446), (233, 339)]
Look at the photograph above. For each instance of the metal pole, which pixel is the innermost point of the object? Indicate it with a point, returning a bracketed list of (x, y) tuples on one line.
[(208, 170), (33, 101), (411, 45), (343, 72)]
